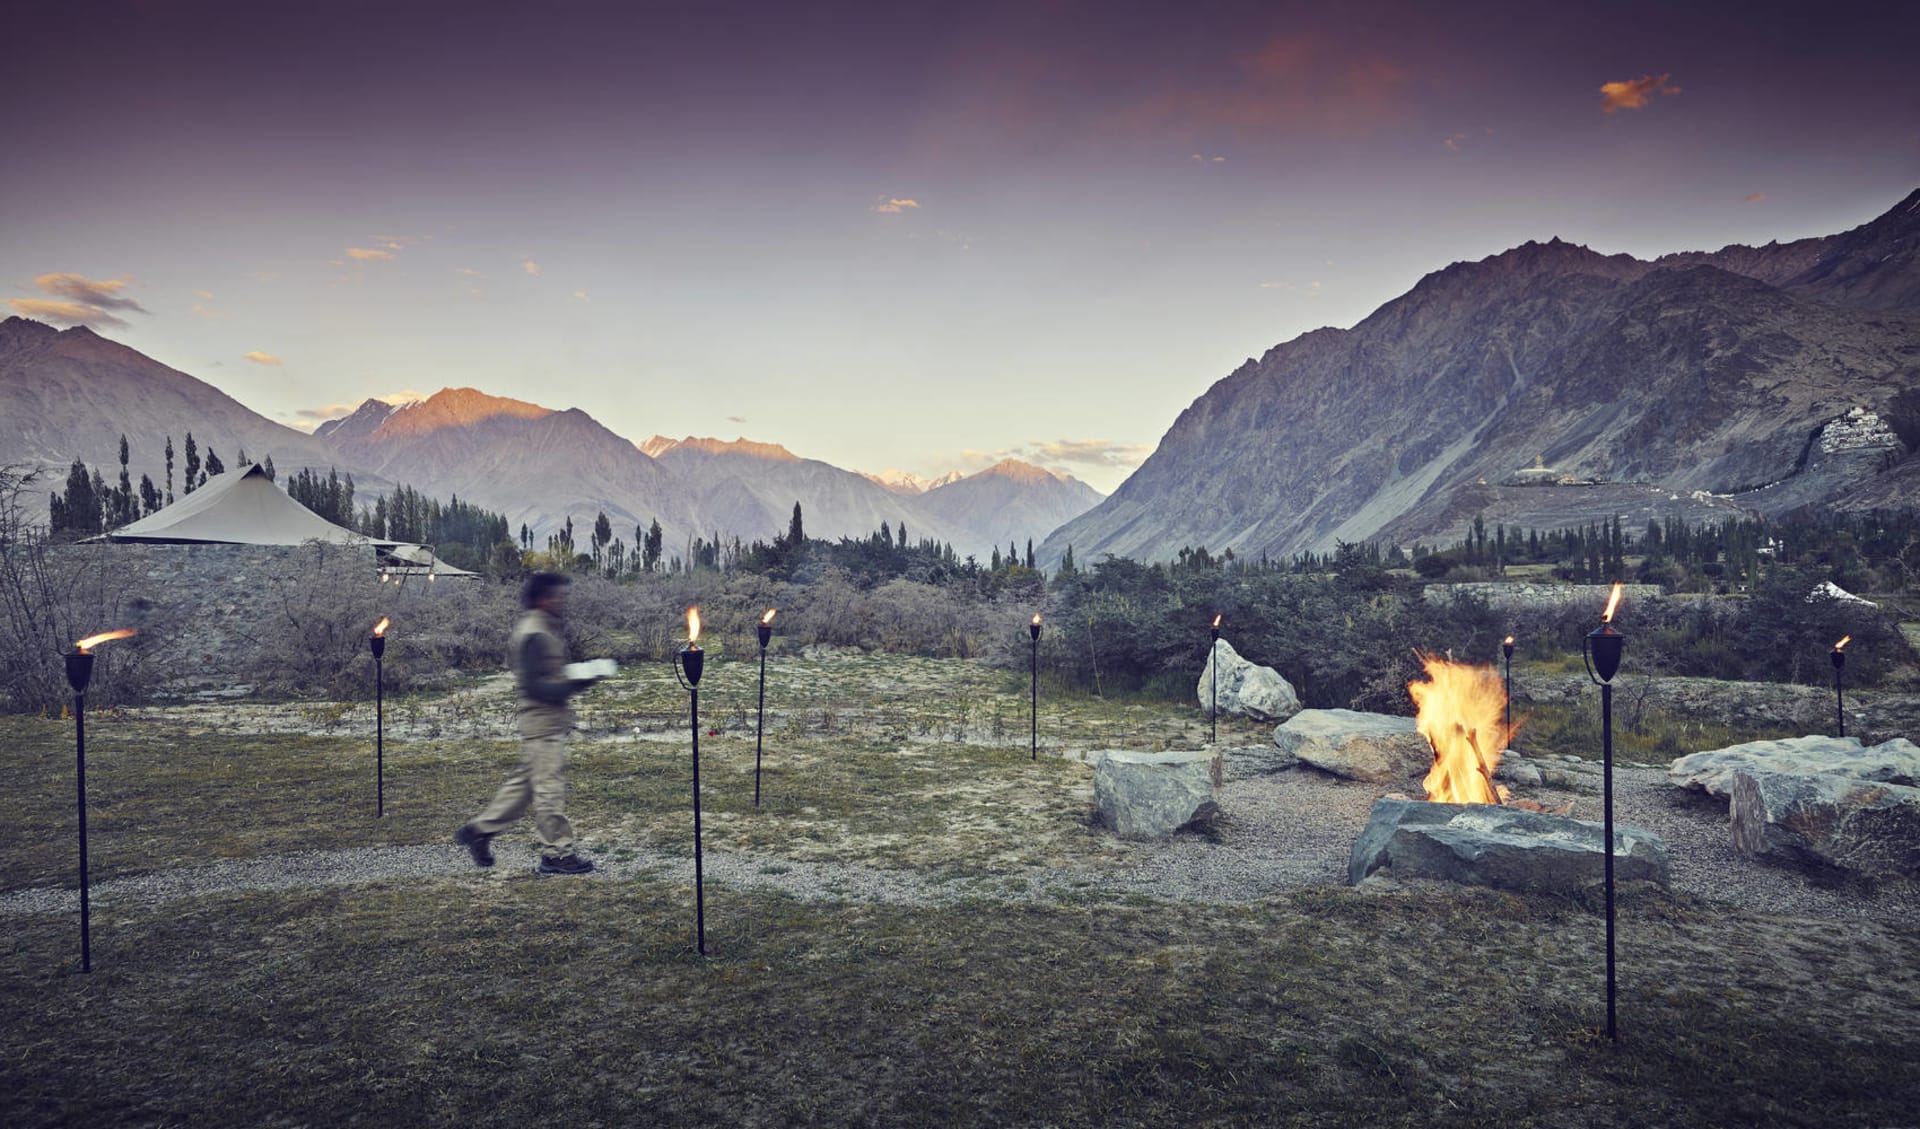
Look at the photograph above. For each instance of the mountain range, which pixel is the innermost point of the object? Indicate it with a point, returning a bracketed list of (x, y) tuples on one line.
[(1551, 385), (67, 394), (1545, 386)]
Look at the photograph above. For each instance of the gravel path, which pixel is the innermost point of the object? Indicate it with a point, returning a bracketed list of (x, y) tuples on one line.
[(1283, 831)]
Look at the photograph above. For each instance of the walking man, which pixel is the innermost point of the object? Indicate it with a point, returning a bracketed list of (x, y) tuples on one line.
[(538, 654)]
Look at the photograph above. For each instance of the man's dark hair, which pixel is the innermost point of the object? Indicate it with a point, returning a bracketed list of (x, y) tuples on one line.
[(539, 585)]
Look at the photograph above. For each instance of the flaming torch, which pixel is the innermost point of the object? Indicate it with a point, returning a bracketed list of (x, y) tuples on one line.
[(692, 662), (1604, 647), (1213, 664), (1839, 657), (1033, 629), (760, 728), (1506, 652), (79, 674), (377, 643)]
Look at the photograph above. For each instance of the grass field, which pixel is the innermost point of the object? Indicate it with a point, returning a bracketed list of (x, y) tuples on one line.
[(495, 998)]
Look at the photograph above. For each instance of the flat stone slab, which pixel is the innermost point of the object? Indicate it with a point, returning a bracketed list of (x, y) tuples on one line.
[(1827, 821), (1152, 795), (1891, 762), (1375, 747), (1504, 847)]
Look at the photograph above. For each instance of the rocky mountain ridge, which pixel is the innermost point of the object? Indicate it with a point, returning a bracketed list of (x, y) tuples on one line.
[(1697, 384)]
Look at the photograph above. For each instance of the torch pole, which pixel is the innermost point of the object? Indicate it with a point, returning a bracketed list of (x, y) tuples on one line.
[(379, 738), (1213, 664), (1606, 763), (760, 727), (80, 779), (1034, 699), (1839, 703), (699, 876)]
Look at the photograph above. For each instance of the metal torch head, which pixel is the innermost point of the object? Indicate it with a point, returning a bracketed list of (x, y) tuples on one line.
[(766, 634), (1604, 647), (377, 644), (1839, 658), (1506, 647), (693, 663), (1033, 629), (79, 671)]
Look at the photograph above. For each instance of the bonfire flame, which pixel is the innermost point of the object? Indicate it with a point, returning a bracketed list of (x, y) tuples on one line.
[(768, 618), (1613, 601), (1462, 708), (1844, 640), (87, 645), (380, 628), (693, 626)]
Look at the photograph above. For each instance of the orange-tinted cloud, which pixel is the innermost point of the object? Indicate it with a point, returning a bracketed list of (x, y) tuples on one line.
[(93, 292), (1633, 93), (1292, 84), (64, 313), (895, 206), (1755, 197), (530, 267), (368, 255), (260, 358)]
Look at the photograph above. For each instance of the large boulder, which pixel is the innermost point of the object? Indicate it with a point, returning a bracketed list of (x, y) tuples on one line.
[(1375, 747), (1504, 847), (1152, 795), (1246, 689), (1890, 762), (1827, 821)]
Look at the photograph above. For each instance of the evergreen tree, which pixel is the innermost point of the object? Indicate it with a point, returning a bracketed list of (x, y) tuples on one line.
[(149, 495), (796, 532), (266, 468), (123, 494), (214, 465), (651, 548), (1029, 552), (192, 465), (169, 470)]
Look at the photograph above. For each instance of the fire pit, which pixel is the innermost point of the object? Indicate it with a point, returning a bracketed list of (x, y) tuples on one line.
[(1470, 829)]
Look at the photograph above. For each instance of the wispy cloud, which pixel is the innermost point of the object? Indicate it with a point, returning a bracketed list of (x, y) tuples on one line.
[(1634, 93), (582, 295), (1755, 197), (736, 419), (77, 300), (1061, 454), (530, 267), (104, 294), (1206, 160), (262, 358), (369, 255), (64, 313), (894, 205), (1291, 84), (203, 305)]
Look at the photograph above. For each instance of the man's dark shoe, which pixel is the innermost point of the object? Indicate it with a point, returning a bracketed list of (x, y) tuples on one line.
[(475, 843), (566, 864)]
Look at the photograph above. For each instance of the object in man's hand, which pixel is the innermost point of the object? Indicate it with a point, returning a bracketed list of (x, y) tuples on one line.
[(591, 669)]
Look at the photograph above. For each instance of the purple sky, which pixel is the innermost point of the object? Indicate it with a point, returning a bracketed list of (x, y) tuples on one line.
[(885, 235)]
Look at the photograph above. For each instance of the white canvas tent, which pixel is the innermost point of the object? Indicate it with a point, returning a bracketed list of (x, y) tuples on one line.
[(246, 508), (243, 508)]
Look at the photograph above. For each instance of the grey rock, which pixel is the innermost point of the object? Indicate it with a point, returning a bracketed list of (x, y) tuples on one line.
[(1824, 820), (1517, 771), (1504, 847), (1256, 760), (1374, 747), (1152, 795), (1247, 689), (1891, 762)]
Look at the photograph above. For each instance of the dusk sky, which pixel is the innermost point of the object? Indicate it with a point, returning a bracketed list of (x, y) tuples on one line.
[(901, 235)]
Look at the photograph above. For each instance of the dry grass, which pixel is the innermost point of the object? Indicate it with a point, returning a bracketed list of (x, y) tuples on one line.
[(503, 999)]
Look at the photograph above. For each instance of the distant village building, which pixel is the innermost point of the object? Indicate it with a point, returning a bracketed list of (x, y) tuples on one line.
[(1540, 474), (1860, 429)]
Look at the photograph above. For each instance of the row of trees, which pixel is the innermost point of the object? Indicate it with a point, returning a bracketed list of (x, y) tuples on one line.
[(90, 504)]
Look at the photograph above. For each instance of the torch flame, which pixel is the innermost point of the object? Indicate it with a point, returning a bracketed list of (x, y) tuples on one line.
[(1508, 640), (90, 642), (380, 628), (693, 626), (1461, 714), (1036, 619), (1613, 601), (1216, 621), (768, 618), (1843, 642)]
